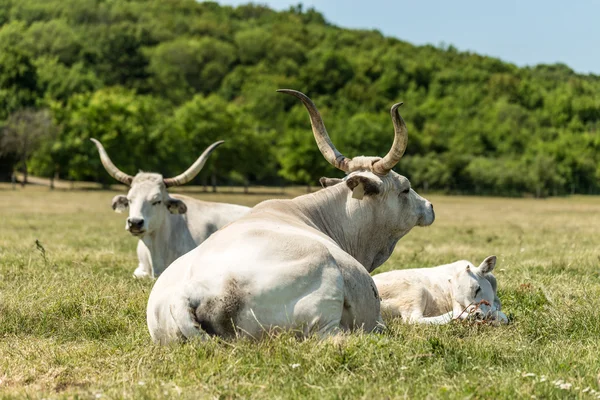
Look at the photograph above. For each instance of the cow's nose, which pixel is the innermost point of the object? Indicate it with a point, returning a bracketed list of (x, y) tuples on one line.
[(135, 223), (432, 211), (477, 314)]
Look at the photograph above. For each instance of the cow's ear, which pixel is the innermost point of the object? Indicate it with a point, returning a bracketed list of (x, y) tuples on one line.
[(120, 203), (362, 186), (487, 265), (492, 280), (326, 182), (176, 206)]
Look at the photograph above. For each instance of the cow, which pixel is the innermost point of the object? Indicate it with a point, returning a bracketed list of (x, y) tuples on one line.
[(167, 226), (437, 295), (300, 264)]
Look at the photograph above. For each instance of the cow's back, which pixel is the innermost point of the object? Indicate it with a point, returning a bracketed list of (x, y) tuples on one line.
[(203, 218)]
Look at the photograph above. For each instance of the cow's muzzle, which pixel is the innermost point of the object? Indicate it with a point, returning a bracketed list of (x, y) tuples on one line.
[(135, 226), (428, 215)]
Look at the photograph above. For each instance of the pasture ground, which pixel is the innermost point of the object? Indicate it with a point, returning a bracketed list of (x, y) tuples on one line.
[(73, 324)]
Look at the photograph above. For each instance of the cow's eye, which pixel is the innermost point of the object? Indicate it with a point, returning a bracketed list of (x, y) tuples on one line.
[(156, 203), (477, 291), (406, 191)]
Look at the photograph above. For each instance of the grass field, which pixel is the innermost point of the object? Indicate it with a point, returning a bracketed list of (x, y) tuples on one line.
[(72, 318)]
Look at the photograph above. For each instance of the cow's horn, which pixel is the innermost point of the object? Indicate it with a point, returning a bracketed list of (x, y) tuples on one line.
[(194, 170), (383, 166), (331, 154), (110, 167)]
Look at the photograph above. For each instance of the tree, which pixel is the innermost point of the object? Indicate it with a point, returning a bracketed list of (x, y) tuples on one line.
[(185, 66), (25, 131), (18, 76), (159, 81), (129, 126)]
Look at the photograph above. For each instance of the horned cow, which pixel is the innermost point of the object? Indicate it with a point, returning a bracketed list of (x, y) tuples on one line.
[(301, 264), (168, 226)]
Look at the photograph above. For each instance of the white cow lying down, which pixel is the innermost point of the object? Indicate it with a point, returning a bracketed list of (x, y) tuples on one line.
[(439, 294), (300, 264)]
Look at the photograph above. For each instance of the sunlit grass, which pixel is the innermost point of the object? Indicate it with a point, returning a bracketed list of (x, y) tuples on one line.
[(72, 319)]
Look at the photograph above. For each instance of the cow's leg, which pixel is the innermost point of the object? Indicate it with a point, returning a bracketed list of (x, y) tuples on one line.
[(320, 311), (361, 301), (144, 269), (331, 329), (278, 299), (141, 272), (498, 317), (438, 320)]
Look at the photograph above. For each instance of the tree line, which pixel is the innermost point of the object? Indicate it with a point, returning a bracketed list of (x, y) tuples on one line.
[(158, 81)]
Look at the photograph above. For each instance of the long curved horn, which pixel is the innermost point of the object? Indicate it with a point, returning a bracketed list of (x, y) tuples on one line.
[(383, 166), (110, 167), (194, 170), (331, 154)]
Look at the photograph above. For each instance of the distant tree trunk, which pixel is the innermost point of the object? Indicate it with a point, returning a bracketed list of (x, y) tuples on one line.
[(308, 189), (24, 181), (13, 179), (54, 177), (425, 186), (213, 178), (72, 183), (246, 185)]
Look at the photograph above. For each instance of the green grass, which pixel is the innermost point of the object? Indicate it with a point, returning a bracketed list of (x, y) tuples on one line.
[(72, 318)]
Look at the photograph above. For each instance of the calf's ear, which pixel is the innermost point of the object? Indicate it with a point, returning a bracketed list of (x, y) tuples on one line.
[(120, 203), (176, 206), (326, 182), (362, 186), (487, 265)]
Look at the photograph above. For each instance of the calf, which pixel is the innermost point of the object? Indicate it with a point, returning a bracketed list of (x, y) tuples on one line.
[(439, 294)]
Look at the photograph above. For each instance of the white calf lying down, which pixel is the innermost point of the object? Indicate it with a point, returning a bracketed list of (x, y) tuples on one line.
[(439, 294)]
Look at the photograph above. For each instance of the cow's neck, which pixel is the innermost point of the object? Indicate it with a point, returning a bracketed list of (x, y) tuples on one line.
[(157, 244), (443, 295), (356, 230)]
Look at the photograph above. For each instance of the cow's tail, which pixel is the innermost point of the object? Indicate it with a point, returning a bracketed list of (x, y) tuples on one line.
[(183, 312)]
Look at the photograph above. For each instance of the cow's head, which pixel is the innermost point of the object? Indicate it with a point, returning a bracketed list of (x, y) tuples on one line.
[(472, 287), (392, 192), (385, 197), (148, 201)]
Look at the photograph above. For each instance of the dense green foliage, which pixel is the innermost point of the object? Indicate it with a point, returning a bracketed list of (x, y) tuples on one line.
[(157, 81)]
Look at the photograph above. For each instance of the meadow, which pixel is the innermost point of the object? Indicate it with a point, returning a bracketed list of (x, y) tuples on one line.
[(73, 323)]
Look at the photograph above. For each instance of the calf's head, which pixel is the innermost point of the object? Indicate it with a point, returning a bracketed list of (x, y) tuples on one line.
[(474, 289), (148, 201), (385, 196)]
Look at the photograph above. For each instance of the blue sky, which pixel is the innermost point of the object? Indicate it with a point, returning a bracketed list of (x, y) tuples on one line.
[(525, 32)]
